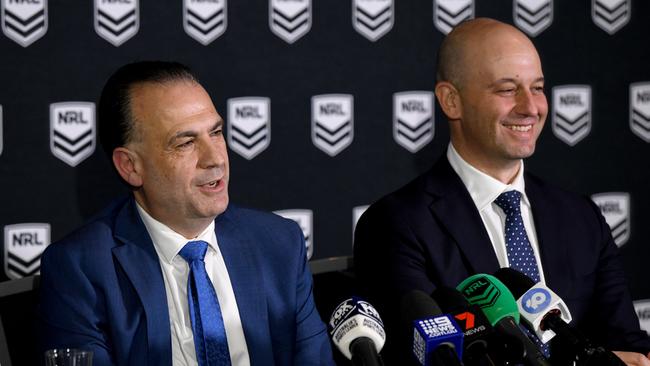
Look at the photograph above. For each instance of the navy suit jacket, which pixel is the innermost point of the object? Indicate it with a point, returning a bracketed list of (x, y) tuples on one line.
[(429, 233), (102, 289)]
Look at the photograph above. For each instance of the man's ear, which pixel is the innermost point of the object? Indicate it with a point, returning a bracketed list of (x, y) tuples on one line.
[(449, 100), (128, 166)]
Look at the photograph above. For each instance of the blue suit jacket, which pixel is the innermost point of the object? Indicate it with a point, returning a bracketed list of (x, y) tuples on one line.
[(429, 233), (102, 289)]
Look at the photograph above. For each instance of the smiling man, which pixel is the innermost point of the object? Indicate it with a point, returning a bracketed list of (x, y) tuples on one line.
[(174, 274), (476, 210)]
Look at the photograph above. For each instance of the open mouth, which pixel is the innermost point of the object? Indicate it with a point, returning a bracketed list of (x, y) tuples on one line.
[(520, 128)]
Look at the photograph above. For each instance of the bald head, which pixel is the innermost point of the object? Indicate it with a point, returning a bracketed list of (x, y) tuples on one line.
[(470, 42)]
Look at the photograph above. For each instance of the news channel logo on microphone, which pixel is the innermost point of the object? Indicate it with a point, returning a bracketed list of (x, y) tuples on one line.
[(535, 300)]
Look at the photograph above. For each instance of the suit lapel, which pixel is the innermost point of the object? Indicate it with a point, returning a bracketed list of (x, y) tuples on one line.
[(241, 258), (552, 252), (453, 207), (140, 262)]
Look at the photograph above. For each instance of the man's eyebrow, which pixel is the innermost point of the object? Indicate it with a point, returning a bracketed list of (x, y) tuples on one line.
[(190, 133), (513, 80)]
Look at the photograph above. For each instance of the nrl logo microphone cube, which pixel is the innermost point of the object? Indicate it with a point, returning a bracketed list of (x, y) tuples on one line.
[(429, 333)]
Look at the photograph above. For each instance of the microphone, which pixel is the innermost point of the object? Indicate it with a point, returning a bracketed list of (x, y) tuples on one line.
[(500, 308), (358, 332), (437, 340), (547, 315), (480, 336)]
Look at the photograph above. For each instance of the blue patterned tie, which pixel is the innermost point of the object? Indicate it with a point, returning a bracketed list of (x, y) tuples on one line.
[(207, 324), (520, 253)]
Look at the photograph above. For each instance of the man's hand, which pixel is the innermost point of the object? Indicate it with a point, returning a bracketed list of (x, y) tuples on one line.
[(633, 358)]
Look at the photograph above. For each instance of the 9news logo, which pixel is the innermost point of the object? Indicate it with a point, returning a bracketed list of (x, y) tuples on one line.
[(535, 300)]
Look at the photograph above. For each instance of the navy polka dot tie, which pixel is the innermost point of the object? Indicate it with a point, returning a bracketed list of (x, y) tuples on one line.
[(520, 253), (207, 324)]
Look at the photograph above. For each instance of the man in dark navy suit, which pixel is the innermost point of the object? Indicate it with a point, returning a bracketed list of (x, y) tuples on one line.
[(462, 216), (174, 274)]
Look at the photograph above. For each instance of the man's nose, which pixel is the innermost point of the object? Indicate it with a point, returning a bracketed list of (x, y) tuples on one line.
[(527, 104), (211, 154)]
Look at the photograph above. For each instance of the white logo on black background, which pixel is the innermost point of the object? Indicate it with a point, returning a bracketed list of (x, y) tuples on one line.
[(642, 308), (24, 21), (611, 15), (372, 18), (640, 110), (332, 122), (449, 13), (290, 19), (571, 112), (615, 206), (117, 21), (72, 131), (357, 211), (305, 219), (24, 245), (533, 16), (204, 20), (413, 119), (249, 125)]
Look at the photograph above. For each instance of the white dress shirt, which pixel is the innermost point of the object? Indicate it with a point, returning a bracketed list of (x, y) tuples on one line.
[(175, 270), (484, 190)]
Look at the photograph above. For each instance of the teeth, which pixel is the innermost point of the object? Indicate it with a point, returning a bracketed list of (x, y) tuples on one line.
[(520, 128)]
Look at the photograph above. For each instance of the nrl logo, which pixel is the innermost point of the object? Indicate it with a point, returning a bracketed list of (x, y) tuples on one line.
[(449, 13), (413, 119), (24, 21), (571, 112), (304, 218), (616, 209), (24, 245), (205, 20), (290, 19), (249, 125), (533, 16), (642, 308), (117, 20), (611, 15), (332, 122), (640, 110), (72, 131), (372, 18)]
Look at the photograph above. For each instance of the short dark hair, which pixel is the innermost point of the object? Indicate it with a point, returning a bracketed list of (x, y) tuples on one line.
[(115, 121)]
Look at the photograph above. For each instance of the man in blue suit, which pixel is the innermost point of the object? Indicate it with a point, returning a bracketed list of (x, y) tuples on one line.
[(449, 223), (174, 274)]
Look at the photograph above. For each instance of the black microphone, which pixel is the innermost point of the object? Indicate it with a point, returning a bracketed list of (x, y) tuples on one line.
[(482, 346), (358, 332), (437, 340), (547, 315)]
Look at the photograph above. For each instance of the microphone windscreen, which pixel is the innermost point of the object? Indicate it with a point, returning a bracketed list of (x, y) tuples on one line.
[(517, 282), (491, 295)]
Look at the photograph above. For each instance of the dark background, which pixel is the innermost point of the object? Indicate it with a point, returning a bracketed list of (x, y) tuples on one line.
[(71, 63)]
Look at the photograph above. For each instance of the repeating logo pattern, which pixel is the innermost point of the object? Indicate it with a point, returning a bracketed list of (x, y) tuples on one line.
[(305, 219), (290, 20), (413, 126), (611, 15), (24, 245), (332, 122), (615, 206), (640, 110), (449, 13), (205, 21), (373, 18), (72, 131), (533, 16), (24, 21), (117, 21), (571, 112), (249, 125), (642, 308)]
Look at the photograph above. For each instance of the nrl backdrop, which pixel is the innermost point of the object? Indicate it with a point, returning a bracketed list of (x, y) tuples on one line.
[(328, 105)]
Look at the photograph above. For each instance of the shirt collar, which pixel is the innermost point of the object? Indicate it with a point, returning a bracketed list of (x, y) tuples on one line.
[(483, 188), (168, 242)]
